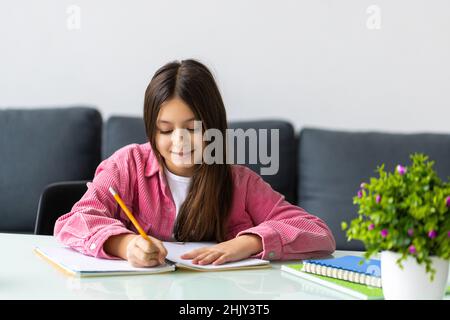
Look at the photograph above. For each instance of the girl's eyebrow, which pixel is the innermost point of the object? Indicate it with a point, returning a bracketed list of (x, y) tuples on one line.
[(165, 121)]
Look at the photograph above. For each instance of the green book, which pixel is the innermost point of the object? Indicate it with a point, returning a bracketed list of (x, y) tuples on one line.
[(356, 290)]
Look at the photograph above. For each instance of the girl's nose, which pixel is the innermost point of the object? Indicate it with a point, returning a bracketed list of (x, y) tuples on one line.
[(180, 137)]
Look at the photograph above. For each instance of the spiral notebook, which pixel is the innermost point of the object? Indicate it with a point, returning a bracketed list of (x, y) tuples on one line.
[(353, 289), (349, 268), (351, 275)]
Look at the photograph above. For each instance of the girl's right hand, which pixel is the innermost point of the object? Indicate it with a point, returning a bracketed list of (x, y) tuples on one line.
[(141, 253)]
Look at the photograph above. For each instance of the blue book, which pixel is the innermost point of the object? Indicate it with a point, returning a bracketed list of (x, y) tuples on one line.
[(371, 267), (360, 291), (349, 268)]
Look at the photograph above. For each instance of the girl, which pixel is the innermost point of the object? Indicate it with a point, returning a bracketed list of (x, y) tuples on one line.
[(175, 196)]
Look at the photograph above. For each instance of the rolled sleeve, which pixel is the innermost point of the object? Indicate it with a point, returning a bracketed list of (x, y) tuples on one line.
[(95, 217), (287, 231), (94, 246), (271, 242)]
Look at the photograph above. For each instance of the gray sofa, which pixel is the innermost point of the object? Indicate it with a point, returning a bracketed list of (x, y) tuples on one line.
[(320, 170), (38, 147)]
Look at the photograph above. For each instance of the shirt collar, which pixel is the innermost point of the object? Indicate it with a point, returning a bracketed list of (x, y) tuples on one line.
[(152, 166)]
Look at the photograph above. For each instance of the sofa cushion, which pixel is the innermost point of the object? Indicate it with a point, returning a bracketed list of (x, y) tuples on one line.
[(284, 181), (332, 165), (39, 147), (121, 131)]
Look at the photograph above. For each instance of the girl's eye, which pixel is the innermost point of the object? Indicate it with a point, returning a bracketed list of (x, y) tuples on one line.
[(170, 131)]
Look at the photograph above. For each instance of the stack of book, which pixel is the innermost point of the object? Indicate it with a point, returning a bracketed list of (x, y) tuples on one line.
[(352, 275)]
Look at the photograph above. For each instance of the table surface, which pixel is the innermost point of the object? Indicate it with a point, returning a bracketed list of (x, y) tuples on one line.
[(24, 275)]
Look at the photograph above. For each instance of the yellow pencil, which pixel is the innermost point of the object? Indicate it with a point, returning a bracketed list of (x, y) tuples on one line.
[(129, 214)]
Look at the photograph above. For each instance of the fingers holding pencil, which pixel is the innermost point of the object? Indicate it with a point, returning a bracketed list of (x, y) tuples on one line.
[(142, 253), (143, 250)]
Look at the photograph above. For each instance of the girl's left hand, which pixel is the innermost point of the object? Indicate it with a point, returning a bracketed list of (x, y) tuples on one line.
[(232, 250)]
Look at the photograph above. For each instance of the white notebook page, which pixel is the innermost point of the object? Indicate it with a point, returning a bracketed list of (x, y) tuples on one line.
[(76, 262), (177, 249)]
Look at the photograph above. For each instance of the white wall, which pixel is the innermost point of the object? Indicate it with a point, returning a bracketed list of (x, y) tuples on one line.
[(313, 62)]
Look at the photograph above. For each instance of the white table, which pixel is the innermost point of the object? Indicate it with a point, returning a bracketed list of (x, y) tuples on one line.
[(24, 275)]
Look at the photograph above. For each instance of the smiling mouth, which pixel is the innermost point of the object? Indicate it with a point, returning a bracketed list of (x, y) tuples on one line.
[(182, 154)]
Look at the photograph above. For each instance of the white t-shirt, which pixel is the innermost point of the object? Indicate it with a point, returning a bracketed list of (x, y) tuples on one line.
[(179, 187)]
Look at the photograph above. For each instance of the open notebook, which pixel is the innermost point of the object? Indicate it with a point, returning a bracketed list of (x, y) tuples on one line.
[(77, 264), (176, 249)]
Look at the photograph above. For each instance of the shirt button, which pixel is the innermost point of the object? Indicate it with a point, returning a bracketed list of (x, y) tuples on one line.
[(271, 254), (92, 246)]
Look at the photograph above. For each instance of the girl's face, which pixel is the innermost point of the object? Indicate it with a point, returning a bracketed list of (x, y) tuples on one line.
[(176, 140)]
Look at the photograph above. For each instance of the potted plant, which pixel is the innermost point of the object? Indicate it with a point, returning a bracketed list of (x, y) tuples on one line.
[(405, 215)]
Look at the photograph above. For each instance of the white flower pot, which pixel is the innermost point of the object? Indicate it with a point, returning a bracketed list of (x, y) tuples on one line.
[(412, 282)]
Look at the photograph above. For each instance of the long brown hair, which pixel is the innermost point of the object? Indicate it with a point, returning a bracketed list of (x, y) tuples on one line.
[(203, 215)]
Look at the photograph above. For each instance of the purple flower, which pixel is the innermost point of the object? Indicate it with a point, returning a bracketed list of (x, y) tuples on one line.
[(378, 199), (384, 233), (432, 234), (412, 249), (363, 185), (372, 226), (447, 201), (359, 194), (448, 234), (401, 170), (410, 232)]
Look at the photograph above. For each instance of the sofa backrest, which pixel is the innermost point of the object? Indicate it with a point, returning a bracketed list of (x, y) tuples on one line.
[(332, 165), (120, 131), (39, 147)]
